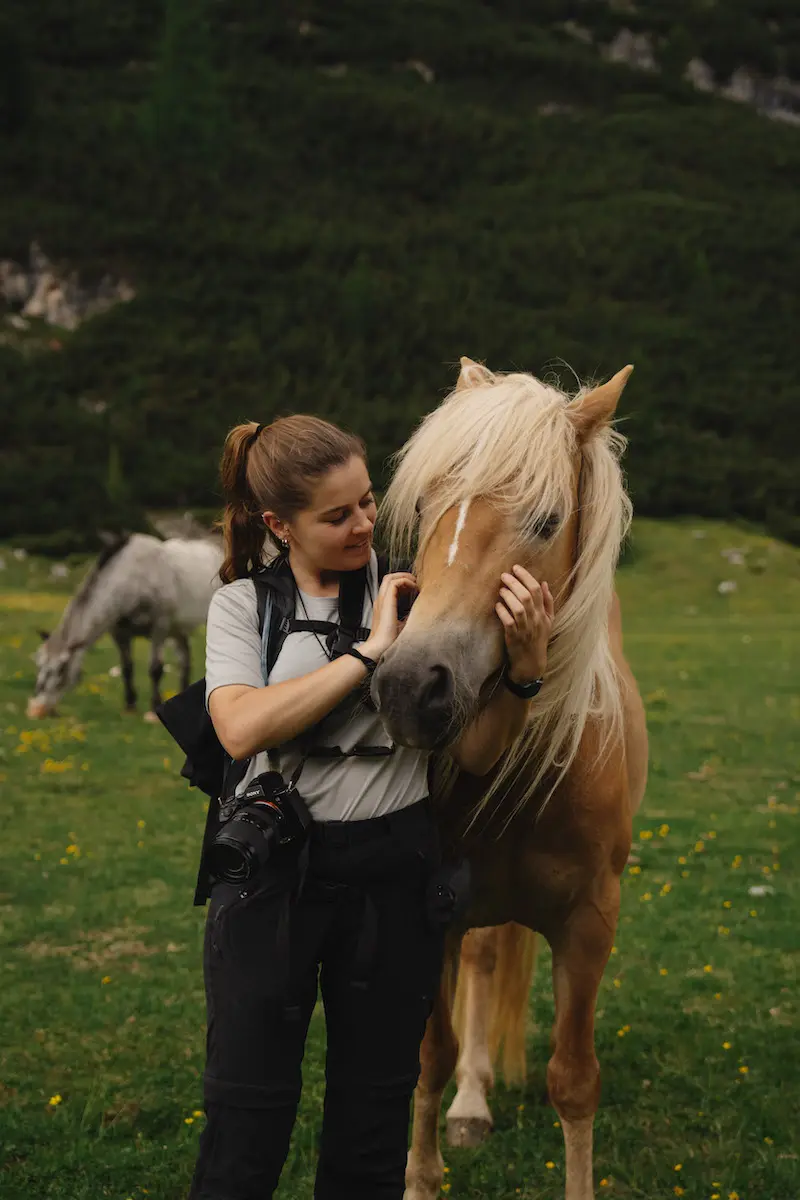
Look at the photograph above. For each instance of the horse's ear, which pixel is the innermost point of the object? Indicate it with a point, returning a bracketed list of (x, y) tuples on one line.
[(472, 375), (597, 407), (43, 634)]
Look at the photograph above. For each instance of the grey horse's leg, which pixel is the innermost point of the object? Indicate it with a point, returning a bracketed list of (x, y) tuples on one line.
[(123, 638), (156, 670), (184, 658)]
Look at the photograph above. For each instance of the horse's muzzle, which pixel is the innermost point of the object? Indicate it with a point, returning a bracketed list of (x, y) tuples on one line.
[(415, 702)]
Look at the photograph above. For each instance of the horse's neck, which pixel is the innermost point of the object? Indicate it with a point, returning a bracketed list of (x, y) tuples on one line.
[(87, 619)]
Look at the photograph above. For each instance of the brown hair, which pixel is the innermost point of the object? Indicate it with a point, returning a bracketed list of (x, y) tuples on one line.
[(272, 467)]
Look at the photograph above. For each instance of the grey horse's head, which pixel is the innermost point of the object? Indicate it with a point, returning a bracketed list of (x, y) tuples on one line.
[(58, 669)]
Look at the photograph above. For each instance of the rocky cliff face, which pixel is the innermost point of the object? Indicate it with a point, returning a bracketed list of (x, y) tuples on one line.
[(56, 296)]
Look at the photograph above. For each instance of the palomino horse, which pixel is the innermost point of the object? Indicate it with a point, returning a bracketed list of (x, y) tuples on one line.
[(510, 470), (139, 586)]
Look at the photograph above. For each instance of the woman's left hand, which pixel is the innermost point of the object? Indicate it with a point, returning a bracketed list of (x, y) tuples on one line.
[(526, 611)]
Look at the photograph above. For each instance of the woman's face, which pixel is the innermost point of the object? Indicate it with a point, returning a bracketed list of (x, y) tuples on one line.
[(334, 533)]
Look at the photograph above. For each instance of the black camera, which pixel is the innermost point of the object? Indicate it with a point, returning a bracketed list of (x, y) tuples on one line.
[(269, 813)]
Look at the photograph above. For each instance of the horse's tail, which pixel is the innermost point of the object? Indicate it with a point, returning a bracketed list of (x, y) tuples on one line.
[(514, 949), (511, 985)]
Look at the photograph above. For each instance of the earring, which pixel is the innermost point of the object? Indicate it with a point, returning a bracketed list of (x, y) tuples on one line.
[(285, 543)]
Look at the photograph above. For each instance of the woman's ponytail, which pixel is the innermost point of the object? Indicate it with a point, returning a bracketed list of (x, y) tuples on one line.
[(273, 468), (243, 529)]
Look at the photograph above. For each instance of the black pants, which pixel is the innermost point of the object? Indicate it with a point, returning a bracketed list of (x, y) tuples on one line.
[(361, 874)]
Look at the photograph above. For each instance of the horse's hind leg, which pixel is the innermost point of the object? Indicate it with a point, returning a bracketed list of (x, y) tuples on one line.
[(469, 1119), (580, 952), (155, 671), (425, 1167), (123, 641), (184, 658)]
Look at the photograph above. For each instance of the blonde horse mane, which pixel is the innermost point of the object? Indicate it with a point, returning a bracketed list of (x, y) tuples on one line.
[(513, 440)]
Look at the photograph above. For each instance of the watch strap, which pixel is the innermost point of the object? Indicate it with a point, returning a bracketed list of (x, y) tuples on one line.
[(525, 691)]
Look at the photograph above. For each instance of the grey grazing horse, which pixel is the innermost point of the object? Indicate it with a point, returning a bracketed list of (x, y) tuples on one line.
[(138, 587)]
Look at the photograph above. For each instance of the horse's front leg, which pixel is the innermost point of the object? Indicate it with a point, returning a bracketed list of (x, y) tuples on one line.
[(156, 670), (123, 643), (580, 952), (469, 1118), (438, 1053)]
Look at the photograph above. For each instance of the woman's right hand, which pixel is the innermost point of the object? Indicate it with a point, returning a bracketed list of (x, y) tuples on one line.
[(386, 627)]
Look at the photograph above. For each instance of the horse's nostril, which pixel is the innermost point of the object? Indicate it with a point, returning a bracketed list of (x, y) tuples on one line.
[(437, 691)]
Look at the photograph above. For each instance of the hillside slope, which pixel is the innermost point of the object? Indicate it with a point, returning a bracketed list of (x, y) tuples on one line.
[(310, 225)]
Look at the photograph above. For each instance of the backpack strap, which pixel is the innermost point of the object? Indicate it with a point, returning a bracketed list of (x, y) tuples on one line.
[(275, 600)]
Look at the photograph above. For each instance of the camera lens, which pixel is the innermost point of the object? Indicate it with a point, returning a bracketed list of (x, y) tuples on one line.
[(242, 847)]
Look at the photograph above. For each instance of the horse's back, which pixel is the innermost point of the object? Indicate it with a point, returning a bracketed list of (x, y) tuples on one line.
[(194, 567)]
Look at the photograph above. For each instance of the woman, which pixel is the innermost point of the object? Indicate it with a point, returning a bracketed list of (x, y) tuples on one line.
[(372, 844)]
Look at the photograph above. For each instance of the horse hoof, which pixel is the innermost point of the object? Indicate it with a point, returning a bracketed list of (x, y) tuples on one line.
[(467, 1132), (151, 718)]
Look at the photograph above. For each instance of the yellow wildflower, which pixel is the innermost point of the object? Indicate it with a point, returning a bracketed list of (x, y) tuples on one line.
[(699, 847), (663, 971), (635, 870), (140, 824), (678, 1190), (666, 889), (549, 1165), (647, 896), (753, 912), (663, 831), (617, 983), (722, 930), (737, 862), (769, 1141), (743, 1070), (682, 860), (678, 1167), (645, 835), (711, 834), (726, 1045), (188, 1120), (198, 1112), (726, 903), (106, 979), (708, 968), (51, 766), (54, 1101)]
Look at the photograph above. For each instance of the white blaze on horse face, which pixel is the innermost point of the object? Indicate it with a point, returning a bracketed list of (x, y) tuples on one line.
[(462, 517)]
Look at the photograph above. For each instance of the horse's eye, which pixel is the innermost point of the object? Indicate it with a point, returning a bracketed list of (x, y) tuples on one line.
[(546, 527)]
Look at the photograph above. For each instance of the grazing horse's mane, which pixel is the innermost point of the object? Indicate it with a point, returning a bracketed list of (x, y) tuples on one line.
[(65, 631), (513, 440)]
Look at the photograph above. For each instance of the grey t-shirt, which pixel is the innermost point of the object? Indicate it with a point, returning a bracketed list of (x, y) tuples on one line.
[(345, 789)]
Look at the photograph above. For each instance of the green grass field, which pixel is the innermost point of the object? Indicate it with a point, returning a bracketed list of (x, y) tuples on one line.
[(101, 996)]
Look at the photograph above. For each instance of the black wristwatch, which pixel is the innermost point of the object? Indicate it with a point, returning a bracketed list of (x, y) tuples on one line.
[(369, 663), (525, 691)]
